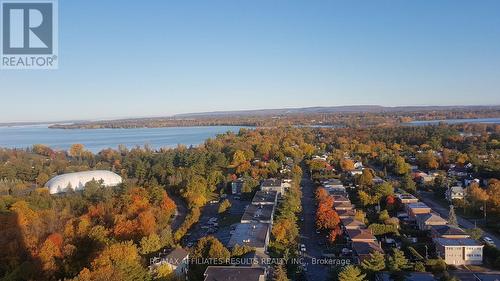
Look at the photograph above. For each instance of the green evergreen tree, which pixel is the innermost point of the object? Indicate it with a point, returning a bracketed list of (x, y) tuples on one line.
[(408, 184), (351, 273), (419, 266), (397, 261), (280, 273), (452, 217), (375, 263)]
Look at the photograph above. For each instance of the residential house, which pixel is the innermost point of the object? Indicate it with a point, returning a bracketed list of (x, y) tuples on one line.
[(447, 231), (360, 235), (358, 165), (457, 171), (265, 198), (335, 187), (425, 221), (407, 198), (342, 206), (341, 198), (456, 192), (255, 235), (356, 172), (344, 214), (231, 273), (377, 180), (462, 251), (352, 223), (237, 186), (414, 209), (468, 182), (258, 213), (273, 185), (362, 250)]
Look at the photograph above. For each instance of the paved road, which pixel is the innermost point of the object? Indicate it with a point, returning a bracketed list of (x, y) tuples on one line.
[(428, 198), (308, 236), (180, 213)]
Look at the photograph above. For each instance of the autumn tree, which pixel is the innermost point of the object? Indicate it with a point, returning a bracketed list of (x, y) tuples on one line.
[(346, 164), (400, 166), (326, 217), (321, 194), (207, 247), (284, 231), (366, 178), (119, 261), (76, 150), (224, 206), (150, 244), (333, 234)]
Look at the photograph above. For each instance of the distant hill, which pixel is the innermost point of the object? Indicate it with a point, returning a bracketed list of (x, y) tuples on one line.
[(330, 109)]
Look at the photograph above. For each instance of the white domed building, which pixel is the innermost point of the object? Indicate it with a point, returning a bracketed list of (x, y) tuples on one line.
[(77, 181)]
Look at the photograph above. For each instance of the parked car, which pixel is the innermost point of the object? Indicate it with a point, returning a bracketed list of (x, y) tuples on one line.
[(303, 248), (489, 241)]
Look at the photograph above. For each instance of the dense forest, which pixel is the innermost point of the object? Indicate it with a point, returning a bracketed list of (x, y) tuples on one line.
[(109, 233), (350, 117)]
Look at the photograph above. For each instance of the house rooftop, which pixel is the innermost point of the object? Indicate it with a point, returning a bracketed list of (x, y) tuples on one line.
[(352, 222), (250, 234), (457, 189), (233, 273), (406, 196), (346, 213), (340, 198), (418, 205), (342, 204), (456, 242), (258, 213), (177, 255), (430, 218), (360, 234), (333, 182), (271, 182), (265, 197), (410, 276), (364, 249), (449, 230)]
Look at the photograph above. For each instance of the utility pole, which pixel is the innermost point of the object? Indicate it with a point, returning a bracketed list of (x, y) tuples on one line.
[(484, 211)]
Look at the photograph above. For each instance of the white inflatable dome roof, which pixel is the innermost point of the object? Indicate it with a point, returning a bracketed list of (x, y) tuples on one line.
[(77, 181)]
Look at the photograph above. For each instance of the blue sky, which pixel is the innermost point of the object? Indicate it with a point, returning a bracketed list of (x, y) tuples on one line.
[(156, 58)]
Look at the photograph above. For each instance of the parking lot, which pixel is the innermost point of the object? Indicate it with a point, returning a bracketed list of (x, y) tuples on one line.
[(212, 223)]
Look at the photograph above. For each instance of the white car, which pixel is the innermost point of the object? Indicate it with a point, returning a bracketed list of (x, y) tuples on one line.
[(488, 241), (303, 248)]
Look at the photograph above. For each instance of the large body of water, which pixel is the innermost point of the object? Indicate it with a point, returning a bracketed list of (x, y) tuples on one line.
[(97, 139), (456, 121)]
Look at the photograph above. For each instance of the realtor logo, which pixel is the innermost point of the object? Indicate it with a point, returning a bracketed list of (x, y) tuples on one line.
[(29, 34)]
